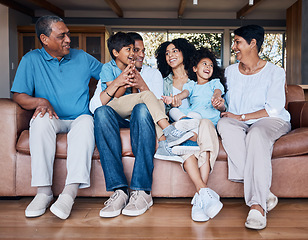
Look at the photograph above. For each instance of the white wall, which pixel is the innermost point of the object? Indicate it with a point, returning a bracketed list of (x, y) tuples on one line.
[(15, 19), (4, 59)]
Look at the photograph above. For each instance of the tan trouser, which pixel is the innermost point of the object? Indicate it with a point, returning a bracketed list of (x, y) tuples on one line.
[(124, 106), (208, 142)]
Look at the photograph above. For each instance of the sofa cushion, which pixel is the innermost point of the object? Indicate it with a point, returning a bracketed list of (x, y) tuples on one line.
[(23, 144), (294, 143)]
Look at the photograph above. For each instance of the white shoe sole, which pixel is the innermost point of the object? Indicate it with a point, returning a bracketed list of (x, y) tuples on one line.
[(32, 214), (110, 214), (134, 213), (214, 210), (186, 125), (40, 212), (182, 150), (169, 158), (58, 212), (255, 220), (185, 137)]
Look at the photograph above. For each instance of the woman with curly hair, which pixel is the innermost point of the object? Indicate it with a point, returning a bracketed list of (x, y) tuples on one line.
[(200, 152), (204, 92)]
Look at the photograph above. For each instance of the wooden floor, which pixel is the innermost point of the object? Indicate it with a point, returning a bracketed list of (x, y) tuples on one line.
[(167, 219)]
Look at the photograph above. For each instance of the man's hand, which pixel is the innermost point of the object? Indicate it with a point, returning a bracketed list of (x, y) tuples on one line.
[(139, 83), (44, 107), (39, 105)]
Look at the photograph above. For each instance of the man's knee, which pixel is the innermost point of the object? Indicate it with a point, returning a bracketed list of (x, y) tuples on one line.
[(140, 112), (103, 115), (41, 123)]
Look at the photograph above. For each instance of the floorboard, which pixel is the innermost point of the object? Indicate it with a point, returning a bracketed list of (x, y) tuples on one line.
[(166, 219)]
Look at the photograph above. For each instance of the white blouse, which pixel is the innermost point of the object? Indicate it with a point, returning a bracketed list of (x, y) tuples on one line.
[(251, 93)]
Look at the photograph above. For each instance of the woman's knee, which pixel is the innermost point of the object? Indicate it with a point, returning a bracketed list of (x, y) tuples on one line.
[(223, 123)]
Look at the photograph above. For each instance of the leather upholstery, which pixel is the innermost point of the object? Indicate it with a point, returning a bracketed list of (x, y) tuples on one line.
[(290, 159)]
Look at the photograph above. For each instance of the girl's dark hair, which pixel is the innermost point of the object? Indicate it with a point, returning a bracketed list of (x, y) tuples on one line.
[(183, 46), (118, 41), (218, 72), (250, 32), (43, 25)]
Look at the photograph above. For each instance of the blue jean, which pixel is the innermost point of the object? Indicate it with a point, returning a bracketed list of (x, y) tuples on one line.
[(107, 124)]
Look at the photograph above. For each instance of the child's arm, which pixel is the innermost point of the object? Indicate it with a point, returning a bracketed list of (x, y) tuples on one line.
[(117, 87), (176, 100), (217, 101)]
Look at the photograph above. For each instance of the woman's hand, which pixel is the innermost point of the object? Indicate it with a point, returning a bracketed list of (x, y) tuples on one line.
[(218, 103), (176, 101), (231, 115), (167, 99)]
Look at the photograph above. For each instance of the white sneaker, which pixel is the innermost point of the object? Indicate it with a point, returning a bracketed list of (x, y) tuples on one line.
[(186, 125), (211, 203), (183, 150), (271, 201), (63, 206), (139, 203), (38, 205), (255, 220), (197, 212), (114, 205)]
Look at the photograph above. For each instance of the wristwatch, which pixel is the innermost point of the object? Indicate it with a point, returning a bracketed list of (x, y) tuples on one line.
[(243, 117)]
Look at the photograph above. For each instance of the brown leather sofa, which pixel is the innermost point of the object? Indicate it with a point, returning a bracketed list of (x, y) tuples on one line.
[(289, 162)]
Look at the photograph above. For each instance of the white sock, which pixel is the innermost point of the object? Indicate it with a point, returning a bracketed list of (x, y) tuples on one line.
[(71, 189), (46, 190)]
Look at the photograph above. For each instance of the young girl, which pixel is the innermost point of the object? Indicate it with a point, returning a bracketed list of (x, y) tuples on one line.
[(204, 94)]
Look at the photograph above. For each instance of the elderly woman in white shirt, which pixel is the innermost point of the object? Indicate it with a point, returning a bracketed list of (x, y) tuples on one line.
[(255, 119)]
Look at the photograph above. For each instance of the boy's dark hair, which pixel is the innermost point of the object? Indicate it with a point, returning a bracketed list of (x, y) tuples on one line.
[(250, 32), (43, 25), (118, 41), (218, 72), (135, 36), (183, 45)]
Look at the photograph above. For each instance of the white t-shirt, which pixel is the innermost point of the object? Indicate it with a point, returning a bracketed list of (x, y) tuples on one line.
[(151, 76), (251, 93)]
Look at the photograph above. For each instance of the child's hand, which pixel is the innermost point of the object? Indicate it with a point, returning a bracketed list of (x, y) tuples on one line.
[(218, 103), (126, 78), (167, 99), (176, 101)]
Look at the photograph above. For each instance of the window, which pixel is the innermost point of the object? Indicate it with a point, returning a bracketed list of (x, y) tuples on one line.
[(273, 49), (153, 39)]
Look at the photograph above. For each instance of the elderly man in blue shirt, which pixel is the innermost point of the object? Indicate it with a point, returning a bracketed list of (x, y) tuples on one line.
[(53, 81)]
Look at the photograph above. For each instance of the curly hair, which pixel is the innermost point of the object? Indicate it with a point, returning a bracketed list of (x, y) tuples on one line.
[(218, 72), (185, 47)]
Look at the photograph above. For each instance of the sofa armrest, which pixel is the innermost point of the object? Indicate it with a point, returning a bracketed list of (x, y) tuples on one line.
[(13, 121), (299, 114)]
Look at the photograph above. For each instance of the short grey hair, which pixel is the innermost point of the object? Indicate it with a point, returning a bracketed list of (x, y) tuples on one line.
[(43, 25)]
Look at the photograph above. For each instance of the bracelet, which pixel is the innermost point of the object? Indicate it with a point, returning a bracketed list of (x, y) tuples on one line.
[(108, 94)]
